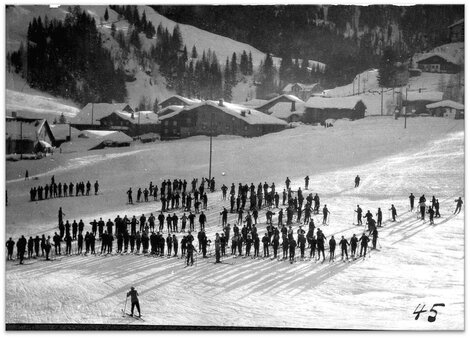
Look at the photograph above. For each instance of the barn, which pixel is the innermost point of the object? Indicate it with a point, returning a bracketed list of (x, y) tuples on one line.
[(320, 109), (447, 108), (282, 98), (218, 118), (289, 112), (27, 135), (438, 63), (177, 100), (302, 91)]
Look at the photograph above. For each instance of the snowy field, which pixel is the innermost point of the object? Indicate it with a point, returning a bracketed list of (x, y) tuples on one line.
[(416, 263)]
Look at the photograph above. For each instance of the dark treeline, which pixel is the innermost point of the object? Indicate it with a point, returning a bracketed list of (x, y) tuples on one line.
[(195, 75), (131, 14), (66, 58), (301, 31)]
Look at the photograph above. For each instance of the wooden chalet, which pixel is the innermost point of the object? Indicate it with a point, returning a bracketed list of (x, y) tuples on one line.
[(320, 109)]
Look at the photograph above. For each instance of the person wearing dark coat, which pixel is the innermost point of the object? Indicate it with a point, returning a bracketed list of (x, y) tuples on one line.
[(292, 246), (359, 215), (321, 244), (80, 243), (431, 215), (202, 220), (169, 243), (436, 206), (344, 247), (307, 179), (332, 245), (458, 207), (375, 235), (68, 245), (412, 201), (364, 244), (379, 217), (325, 214), (224, 217), (10, 244), (57, 241), (37, 242), (394, 213), (189, 253)]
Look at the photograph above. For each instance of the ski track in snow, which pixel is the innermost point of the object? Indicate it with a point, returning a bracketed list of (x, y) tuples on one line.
[(380, 292)]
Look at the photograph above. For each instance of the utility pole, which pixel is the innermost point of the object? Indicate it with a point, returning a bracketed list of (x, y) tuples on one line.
[(406, 100), (21, 138), (359, 85), (382, 102), (210, 149), (92, 113)]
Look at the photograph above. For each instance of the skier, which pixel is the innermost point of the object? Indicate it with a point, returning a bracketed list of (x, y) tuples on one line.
[(292, 246), (431, 215), (10, 246), (394, 213), (436, 206), (359, 215), (307, 179), (356, 181), (344, 247), (60, 215), (217, 248), (21, 247), (379, 217), (375, 235), (96, 187), (458, 206), (129, 196), (287, 183), (353, 242), (412, 201), (202, 220), (364, 243), (321, 243), (332, 244), (134, 300), (224, 217), (325, 214)]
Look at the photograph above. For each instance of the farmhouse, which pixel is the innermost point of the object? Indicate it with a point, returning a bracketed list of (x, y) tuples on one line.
[(438, 63), (447, 108), (27, 136), (415, 102), (169, 109), (132, 123), (92, 113), (302, 91), (212, 118), (319, 109), (289, 112), (177, 100), (282, 98)]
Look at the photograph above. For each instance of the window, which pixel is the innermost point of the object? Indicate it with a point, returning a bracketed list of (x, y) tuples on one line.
[(227, 127), (188, 120), (166, 122), (175, 123), (246, 128), (165, 131)]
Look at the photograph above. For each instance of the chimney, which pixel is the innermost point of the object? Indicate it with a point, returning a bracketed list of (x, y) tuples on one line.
[(221, 102), (132, 115), (292, 107), (13, 114), (242, 113)]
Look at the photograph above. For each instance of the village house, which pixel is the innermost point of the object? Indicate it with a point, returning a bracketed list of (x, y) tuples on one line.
[(212, 118), (302, 91), (27, 135), (89, 117), (320, 109), (415, 101), (281, 98), (438, 63), (447, 108), (168, 109), (289, 112), (177, 100), (132, 124)]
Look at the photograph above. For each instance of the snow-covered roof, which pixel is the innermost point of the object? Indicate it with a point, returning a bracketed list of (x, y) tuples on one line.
[(306, 87), (168, 110), (348, 102), (290, 98), (61, 131), (106, 135), (252, 116), (432, 96), (456, 23), (446, 103), (183, 99), (26, 128), (99, 110), (445, 56), (145, 117), (282, 110)]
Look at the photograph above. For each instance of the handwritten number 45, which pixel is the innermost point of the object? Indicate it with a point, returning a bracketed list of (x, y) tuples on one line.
[(431, 318)]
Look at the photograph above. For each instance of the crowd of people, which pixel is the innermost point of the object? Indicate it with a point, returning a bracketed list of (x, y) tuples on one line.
[(140, 235), (57, 190)]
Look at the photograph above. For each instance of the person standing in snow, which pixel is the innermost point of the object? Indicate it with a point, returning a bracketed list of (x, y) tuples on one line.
[(224, 217), (10, 246), (307, 179), (344, 247), (129, 196), (375, 235), (61, 216), (394, 213), (356, 181), (321, 243), (364, 243), (287, 183), (431, 215), (412, 201), (436, 206), (325, 214), (134, 300), (332, 245), (379, 217), (96, 187), (359, 215), (458, 206)]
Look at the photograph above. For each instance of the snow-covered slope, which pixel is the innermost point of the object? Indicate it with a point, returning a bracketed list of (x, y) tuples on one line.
[(415, 263)]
